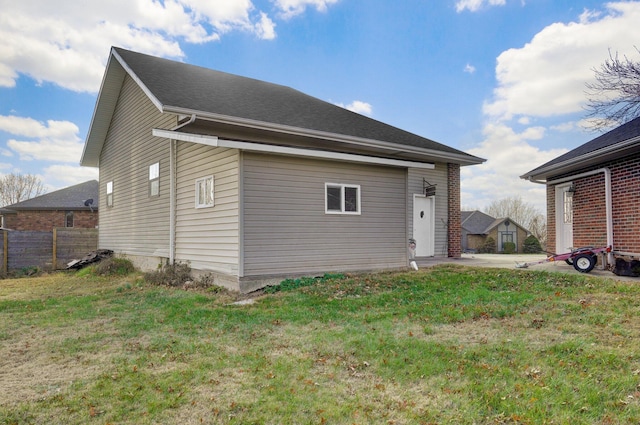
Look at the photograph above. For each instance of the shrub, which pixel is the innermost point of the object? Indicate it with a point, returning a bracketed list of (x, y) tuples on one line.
[(531, 245), (508, 248), (114, 267), (30, 271), (170, 274), (489, 246)]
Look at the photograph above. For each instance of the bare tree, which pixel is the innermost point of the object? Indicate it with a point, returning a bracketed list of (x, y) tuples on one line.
[(526, 215), (614, 98), (15, 188)]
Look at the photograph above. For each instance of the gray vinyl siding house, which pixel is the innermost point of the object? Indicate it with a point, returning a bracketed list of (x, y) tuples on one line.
[(254, 182)]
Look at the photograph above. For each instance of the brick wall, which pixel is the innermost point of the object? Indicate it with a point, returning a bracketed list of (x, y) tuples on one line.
[(589, 212), (589, 216), (454, 227), (47, 220), (625, 188)]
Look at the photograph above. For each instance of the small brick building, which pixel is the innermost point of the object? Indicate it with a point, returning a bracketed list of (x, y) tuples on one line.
[(69, 207), (593, 193)]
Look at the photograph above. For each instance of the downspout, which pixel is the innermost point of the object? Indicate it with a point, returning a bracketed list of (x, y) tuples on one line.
[(173, 170), (608, 201), (172, 201)]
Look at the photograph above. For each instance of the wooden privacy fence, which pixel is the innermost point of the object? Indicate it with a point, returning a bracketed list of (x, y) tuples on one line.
[(49, 250)]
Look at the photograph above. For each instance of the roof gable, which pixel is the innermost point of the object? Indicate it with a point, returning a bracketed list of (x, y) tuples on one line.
[(70, 198), (479, 223), (183, 89), (476, 222)]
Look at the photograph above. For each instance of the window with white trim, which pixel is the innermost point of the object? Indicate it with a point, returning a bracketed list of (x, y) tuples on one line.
[(154, 179), (204, 192), (342, 198), (110, 194)]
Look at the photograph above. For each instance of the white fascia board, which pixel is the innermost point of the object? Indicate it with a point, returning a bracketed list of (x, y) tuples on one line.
[(463, 159), (200, 139), (285, 150), (339, 156)]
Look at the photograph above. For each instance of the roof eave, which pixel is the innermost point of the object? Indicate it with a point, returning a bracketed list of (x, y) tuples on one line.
[(112, 81), (596, 157), (462, 158)]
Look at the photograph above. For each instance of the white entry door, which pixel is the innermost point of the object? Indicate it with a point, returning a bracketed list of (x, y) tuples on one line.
[(424, 225), (564, 219)]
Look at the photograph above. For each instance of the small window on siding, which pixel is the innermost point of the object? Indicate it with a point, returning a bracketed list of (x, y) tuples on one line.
[(110, 194), (204, 192), (342, 198), (154, 179), (68, 219)]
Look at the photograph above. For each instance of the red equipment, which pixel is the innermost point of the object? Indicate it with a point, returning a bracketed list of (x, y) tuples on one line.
[(582, 259)]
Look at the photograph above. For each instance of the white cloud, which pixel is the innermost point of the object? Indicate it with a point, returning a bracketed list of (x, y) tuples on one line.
[(358, 106), (540, 82), (59, 176), (475, 5), (510, 155), (291, 8), (547, 76), (266, 28), (67, 42), (469, 69), (564, 127), (54, 140)]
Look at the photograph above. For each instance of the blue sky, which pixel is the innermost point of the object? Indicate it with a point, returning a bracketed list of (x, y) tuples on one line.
[(500, 79)]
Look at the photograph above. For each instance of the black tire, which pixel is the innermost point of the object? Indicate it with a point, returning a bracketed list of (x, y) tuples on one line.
[(584, 263), (569, 261)]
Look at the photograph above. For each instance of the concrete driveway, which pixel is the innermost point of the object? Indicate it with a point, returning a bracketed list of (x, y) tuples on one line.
[(509, 261)]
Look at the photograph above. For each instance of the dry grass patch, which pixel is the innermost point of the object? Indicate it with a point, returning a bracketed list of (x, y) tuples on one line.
[(445, 345)]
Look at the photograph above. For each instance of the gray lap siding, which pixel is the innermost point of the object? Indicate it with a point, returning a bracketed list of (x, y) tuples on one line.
[(208, 237), (286, 229), (137, 223)]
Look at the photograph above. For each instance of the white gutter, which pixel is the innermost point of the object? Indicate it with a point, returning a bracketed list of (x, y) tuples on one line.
[(583, 160), (173, 169), (608, 200), (284, 150)]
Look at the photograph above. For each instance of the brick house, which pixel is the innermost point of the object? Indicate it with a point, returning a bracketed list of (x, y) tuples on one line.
[(68, 207), (593, 193), (477, 227)]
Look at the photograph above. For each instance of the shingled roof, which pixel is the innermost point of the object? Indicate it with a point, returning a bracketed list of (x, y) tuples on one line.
[(184, 89), (614, 144), (70, 198), (478, 223)]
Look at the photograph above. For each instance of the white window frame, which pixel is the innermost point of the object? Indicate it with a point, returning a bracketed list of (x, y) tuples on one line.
[(342, 198), (199, 183), (154, 179), (110, 193)]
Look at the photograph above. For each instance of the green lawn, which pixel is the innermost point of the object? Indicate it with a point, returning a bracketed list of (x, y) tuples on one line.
[(446, 345)]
